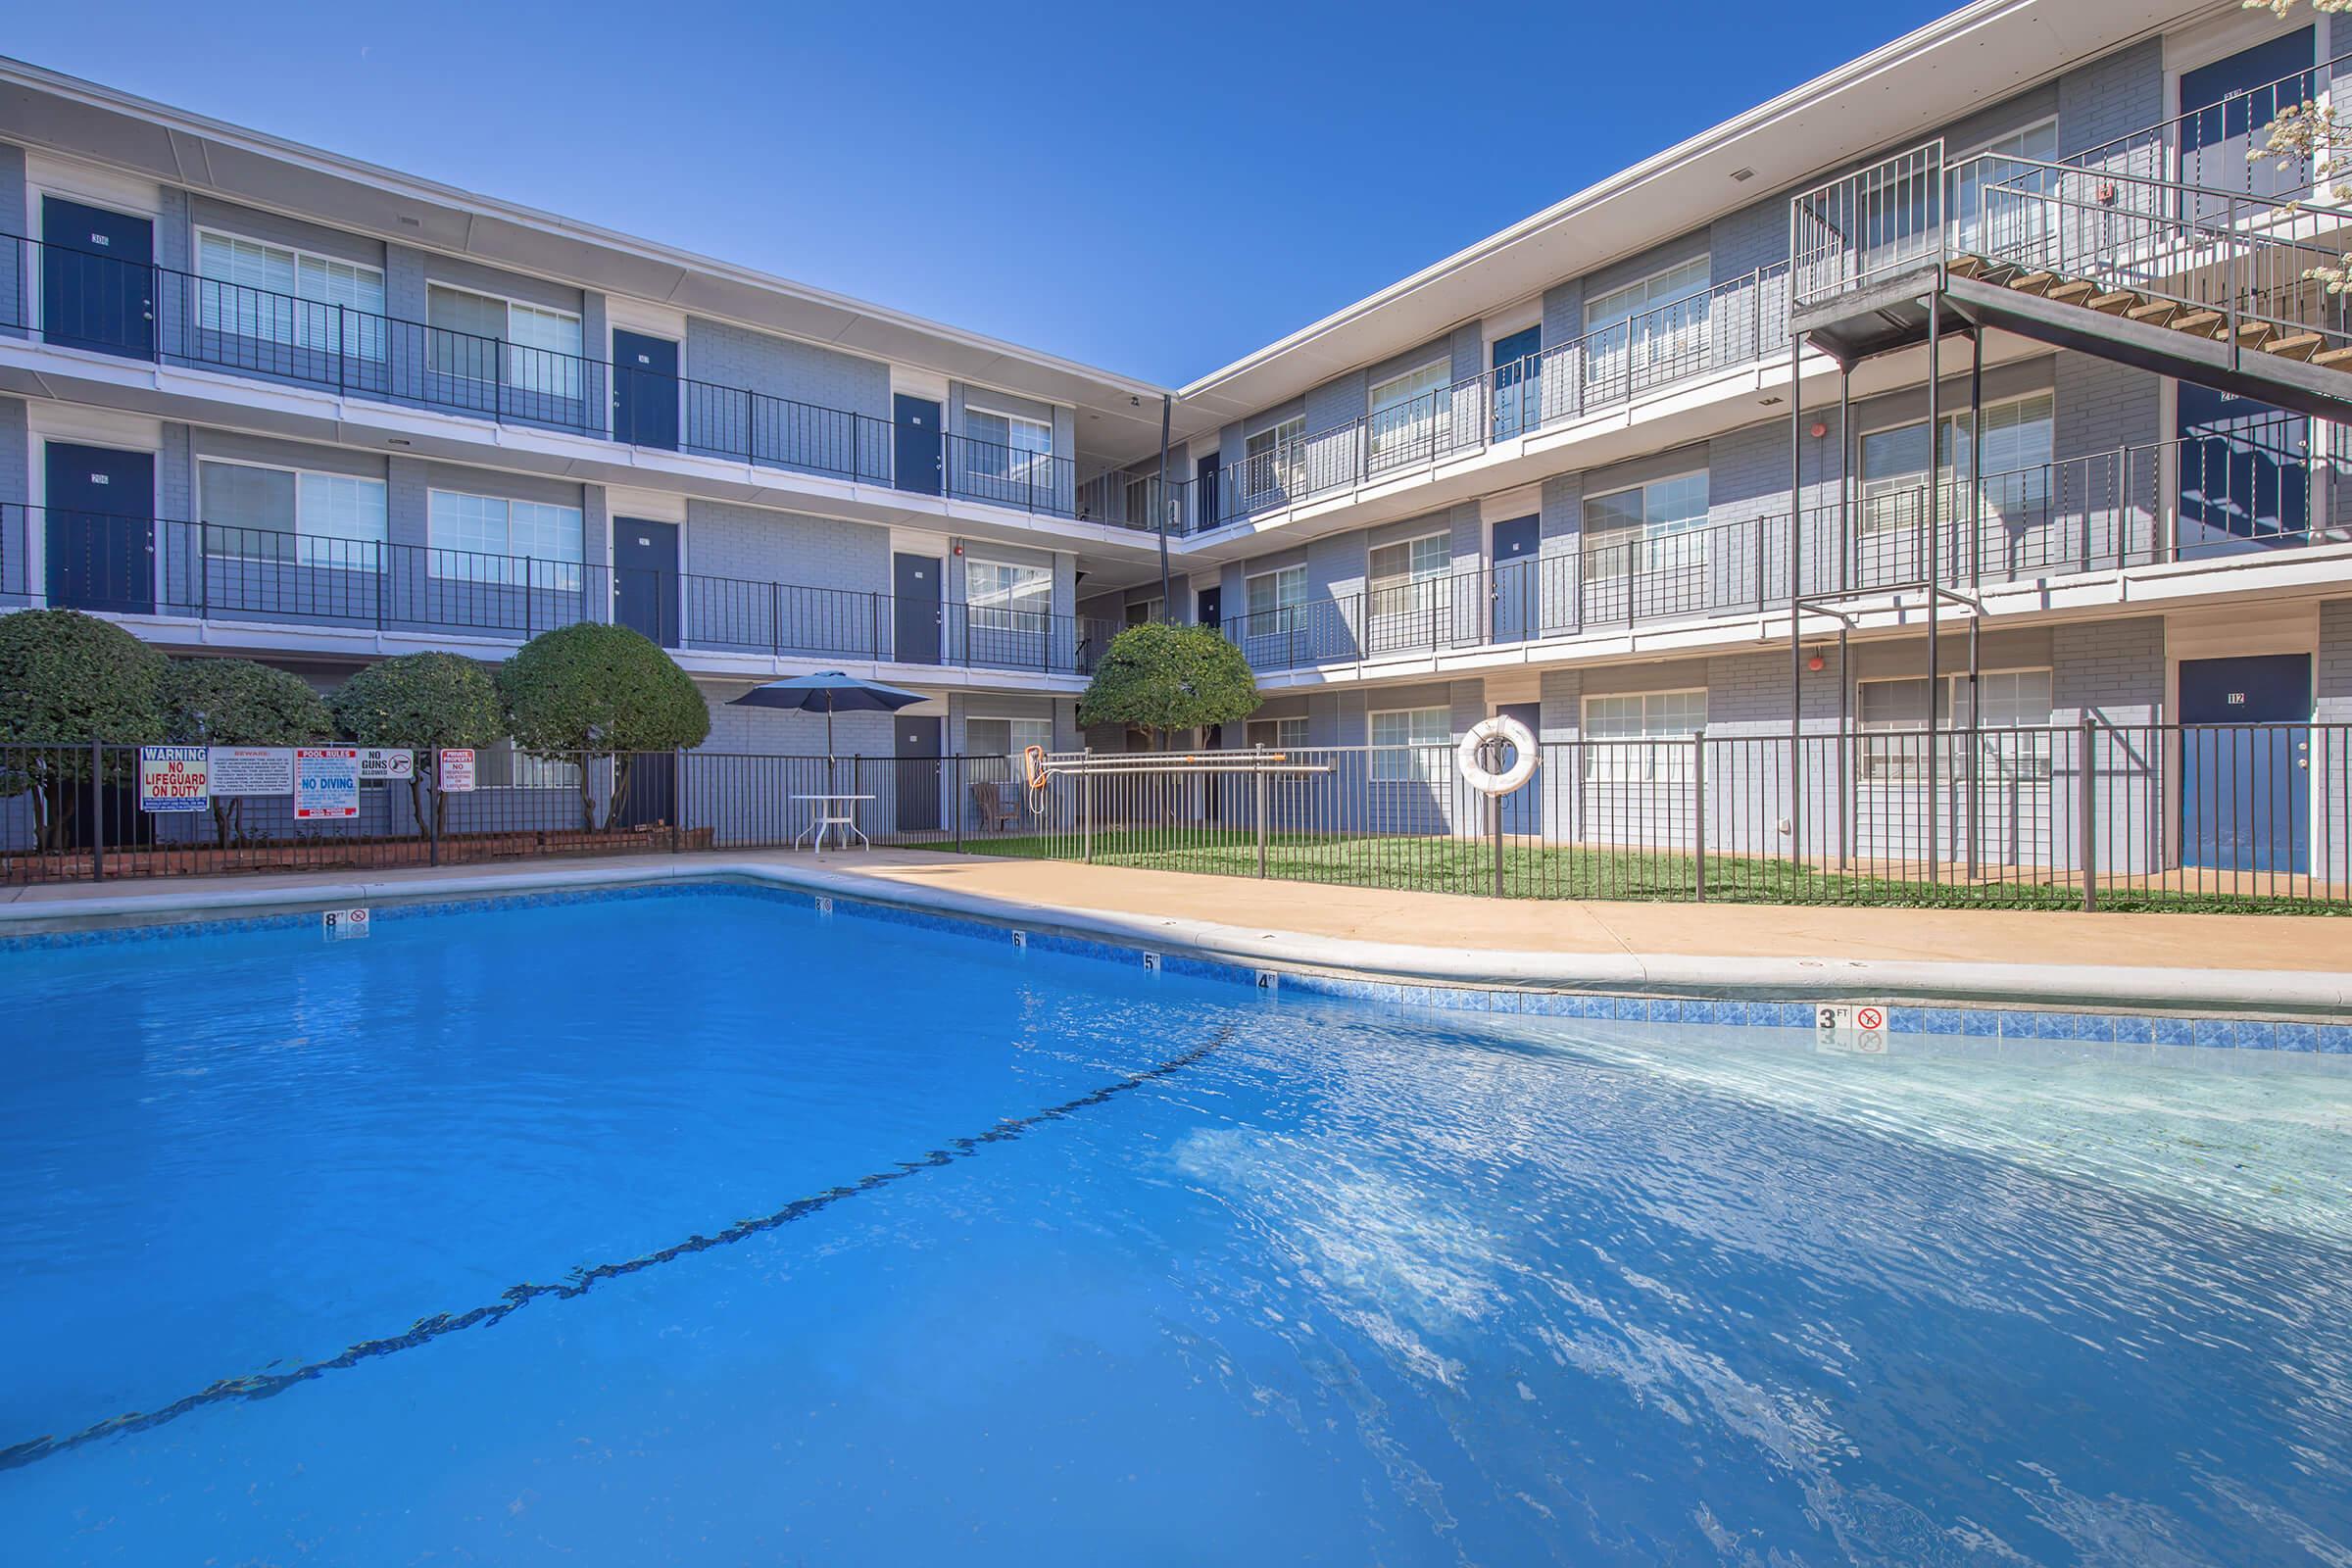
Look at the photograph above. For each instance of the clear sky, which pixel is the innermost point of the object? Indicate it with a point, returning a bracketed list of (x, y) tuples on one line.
[(1156, 191)]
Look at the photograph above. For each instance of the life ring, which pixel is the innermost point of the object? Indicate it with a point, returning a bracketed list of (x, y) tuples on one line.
[(1033, 766), (1485, 780)]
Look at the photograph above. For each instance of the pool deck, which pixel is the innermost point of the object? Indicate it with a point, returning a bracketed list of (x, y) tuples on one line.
[(2298, 964)]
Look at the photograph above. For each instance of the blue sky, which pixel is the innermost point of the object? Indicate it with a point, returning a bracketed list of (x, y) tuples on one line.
[(1156, 192)]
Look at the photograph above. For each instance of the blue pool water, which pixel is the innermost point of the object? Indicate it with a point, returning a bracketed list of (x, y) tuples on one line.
[(704, 1229)]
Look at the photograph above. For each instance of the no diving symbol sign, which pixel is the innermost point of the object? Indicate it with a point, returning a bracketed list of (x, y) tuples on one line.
[(1860, 1027)]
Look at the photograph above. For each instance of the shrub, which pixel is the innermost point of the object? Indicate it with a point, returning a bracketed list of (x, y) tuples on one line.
[(590, 690), (1165, 678), (67, 679), (235, 701), (423, 701)]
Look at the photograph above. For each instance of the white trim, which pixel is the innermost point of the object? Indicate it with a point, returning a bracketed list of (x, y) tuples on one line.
[(1509, 506), (1511, 322), (629, 314), (906, 382), (47, 174)]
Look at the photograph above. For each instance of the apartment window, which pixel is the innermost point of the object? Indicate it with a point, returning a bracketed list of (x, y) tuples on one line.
[(1408, 742), (1661, 526), (1405, 410), (1011, 448), (280, 295), (1642, 737), (503, 767), (1278, 734), (2009, 219), (484, 338), (1274, 599), (1400, 575), (1001, 596), (288, 515), (1274, 462), (2017, 454), (1675, 284), (1007, 737), (1145, 611), (1894, 719), (491, 539)]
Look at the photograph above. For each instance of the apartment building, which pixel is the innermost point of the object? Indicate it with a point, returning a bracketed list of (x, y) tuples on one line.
[(1656, 460)]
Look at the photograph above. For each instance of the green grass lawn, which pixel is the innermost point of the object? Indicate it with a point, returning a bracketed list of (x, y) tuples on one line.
[(1530, 871)]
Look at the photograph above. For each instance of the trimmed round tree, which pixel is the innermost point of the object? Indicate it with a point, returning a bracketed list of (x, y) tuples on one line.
[(68, 679), (424, 702), (1164, 678), (235, 701), (593, 690)]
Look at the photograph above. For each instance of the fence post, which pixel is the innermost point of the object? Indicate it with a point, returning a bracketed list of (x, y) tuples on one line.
[(677, 802), (2086, 814), (1494, 832), (1086, 814), (97, 810), (430, 797), (955, 804), (1698, 814), (1258, 778)]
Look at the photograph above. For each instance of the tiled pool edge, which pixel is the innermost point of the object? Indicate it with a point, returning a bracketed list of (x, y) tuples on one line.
[(2213, 1009)]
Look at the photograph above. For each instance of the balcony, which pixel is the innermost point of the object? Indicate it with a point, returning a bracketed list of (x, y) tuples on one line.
[(1731, 324), (78, 299), (214, 572), (2195, 499)]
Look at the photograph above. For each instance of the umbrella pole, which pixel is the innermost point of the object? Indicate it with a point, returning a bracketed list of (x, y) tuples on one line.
[(828, 740)]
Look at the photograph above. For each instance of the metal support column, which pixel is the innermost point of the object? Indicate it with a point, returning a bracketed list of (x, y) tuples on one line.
[(1796, 589), (1167, 608), (1845, 479), (1935, 553)]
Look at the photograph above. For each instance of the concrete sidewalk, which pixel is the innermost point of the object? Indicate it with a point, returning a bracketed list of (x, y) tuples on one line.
[(2291, 964)]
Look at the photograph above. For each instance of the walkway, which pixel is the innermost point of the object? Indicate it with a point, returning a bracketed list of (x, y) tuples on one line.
[(2301, 963)]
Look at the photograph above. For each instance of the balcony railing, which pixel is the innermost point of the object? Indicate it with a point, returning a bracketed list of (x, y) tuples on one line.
[(2221, 146), (2242, 494), (214, 571), (1731, 325), (80, 299)]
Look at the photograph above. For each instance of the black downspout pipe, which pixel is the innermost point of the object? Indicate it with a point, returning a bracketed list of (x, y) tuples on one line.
[(1167, 606)]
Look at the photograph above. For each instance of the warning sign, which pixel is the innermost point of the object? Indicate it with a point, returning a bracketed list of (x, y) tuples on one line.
[(344, 925), (171, 778), (252, 770), (456, 771), (386, 764), (327, 783)]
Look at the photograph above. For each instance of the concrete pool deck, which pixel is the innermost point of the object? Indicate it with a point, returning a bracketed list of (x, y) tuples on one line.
[(2296, 964)]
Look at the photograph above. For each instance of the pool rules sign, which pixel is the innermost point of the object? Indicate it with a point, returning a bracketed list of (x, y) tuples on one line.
[(327, 783), (174, 779)]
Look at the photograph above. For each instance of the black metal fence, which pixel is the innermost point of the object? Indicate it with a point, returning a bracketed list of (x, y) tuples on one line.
[(2093, 816)]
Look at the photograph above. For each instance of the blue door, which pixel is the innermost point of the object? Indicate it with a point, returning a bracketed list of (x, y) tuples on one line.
[(2226, 109), (1207, 509), (1210, 608), (645, 578), (101, 534), (1518, 397), (2245, 791), (1523, 808), (644, 390), (918, 750), (2245, 473), (915, 591), (1518, 545), (97, 279), (915, 450)]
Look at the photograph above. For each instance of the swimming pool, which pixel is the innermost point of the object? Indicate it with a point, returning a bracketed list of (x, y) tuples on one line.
[(705, 1228)]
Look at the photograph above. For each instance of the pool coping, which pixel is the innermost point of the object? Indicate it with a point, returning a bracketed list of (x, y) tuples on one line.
[(2290, 996)]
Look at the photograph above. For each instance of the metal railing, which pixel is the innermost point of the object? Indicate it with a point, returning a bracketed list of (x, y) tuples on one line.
[(2147, 817), (2089, 816), (2243, 493), (80, 299), (1733, 323), (2251, 269), (224, 572), (2221, 146)]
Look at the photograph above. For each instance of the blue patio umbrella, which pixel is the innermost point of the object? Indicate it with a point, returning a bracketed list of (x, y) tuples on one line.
[(828, 692)]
